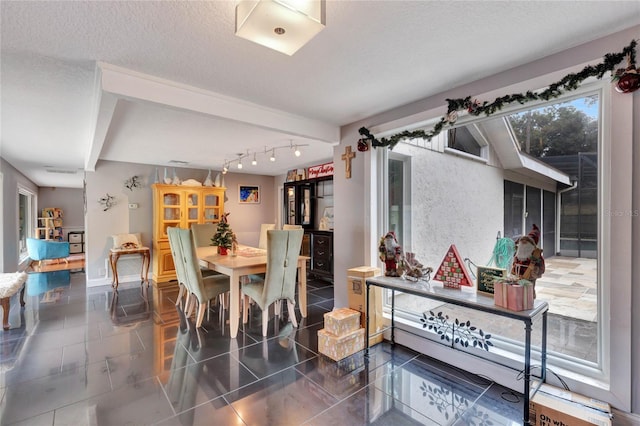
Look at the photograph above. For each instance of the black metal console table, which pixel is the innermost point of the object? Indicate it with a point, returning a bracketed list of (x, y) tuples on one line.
[(475, 301)]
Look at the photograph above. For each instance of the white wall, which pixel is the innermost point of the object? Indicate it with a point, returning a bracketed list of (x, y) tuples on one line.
[(11, 179), (453, 198), (110, 177)]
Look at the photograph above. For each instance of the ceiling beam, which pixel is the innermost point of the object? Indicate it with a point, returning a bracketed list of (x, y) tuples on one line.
[(134, 85)]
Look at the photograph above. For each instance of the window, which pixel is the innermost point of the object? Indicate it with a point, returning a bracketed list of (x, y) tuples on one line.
[(442, 200), (26, 220)]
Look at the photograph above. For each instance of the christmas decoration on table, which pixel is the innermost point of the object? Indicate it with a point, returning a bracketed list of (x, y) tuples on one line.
[(627, 80), (223, 238), (390, 253), (414, 270), (513, 293), (528, 263), (452, 272)]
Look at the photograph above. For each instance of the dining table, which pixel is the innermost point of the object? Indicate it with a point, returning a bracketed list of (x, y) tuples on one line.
[(247, 261)]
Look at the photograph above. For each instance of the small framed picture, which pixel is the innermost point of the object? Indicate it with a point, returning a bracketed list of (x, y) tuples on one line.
[(248, 194)]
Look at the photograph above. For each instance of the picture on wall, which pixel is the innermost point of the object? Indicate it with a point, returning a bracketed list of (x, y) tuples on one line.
[(248, 194)]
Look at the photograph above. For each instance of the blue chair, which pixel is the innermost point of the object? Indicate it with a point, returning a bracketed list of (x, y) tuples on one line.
[(47, 249)]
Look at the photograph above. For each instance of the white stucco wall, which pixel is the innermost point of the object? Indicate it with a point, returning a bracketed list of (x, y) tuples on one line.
[(454, 200)]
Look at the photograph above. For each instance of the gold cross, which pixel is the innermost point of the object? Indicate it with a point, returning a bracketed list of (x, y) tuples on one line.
[(347, 156)]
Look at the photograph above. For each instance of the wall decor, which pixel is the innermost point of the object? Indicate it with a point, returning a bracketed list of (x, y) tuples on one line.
[(132, 183), (347, 157), (107, 202), (248, 194)]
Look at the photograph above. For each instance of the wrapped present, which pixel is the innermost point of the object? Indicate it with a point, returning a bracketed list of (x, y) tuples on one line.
[(515, 295), (340, 347), (520, 296), (500, 292), (341, 321)]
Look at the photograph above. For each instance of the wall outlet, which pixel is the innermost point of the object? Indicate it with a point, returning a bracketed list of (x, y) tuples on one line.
[(133, 205)]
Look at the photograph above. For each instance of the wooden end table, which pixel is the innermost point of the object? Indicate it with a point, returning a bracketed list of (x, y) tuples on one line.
[(114, 255)]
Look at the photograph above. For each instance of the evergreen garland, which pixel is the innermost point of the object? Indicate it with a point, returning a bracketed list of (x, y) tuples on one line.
[(567, 83)]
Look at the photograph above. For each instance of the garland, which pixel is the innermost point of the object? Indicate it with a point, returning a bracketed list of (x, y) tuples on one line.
[(474, 107)]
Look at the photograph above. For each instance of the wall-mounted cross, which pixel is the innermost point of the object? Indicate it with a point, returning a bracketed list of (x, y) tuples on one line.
[(347, 156)]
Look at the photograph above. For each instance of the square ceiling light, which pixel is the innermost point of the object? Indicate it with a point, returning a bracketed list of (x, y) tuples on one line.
[(282, 25)]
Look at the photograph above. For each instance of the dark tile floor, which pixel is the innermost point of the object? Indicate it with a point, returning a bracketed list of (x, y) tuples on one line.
[(77, 356)]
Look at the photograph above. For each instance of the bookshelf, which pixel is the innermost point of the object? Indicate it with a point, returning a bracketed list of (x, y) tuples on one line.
[(50, 224)]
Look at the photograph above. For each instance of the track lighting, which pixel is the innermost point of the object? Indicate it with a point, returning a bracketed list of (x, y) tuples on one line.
[(254, 162), (273, 155), (297, 151), (225, 169)]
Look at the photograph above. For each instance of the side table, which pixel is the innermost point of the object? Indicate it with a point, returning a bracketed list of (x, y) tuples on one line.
[(114, 255)]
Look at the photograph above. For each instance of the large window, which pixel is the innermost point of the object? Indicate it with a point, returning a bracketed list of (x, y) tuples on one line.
[(443, 199)]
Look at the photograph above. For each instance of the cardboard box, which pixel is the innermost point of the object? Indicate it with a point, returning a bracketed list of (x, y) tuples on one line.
[(356, 290), (576, 397), (341, 321), (550, 410), (339, 347)]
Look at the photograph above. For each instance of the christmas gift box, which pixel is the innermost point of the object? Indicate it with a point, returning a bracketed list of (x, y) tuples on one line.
[(341, 321), (520, 296), (340, 347), (515, 295)]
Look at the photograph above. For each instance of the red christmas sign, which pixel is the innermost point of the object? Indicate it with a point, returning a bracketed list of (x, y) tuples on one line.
[(452, 272)]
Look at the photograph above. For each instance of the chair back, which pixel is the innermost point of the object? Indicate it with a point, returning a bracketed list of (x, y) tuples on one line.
[(262, 243), (283, 249), (202, 233), (191, 264), (178, 258), (287, 227)]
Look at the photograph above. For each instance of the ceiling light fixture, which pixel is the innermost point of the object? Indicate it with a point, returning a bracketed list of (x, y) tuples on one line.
[(282, 25), (273, 155), (295, 149), (254, 162), (225, 169), (240, 161)]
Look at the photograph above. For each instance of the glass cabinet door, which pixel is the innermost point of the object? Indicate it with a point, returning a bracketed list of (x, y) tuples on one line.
[(171, 204), (211, 212), (305, 206), (291, 205), (192, 208)]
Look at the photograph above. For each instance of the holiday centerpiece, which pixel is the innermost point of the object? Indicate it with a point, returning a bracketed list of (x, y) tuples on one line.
[(224, 236), (390, 252)]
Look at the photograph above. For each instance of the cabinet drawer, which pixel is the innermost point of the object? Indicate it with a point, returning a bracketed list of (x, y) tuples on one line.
[(321, 265), (76, 248), (322, 253), (75, 237), (323, 241)]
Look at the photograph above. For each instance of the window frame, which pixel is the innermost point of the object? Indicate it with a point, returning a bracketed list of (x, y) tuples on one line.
[(31, 221)]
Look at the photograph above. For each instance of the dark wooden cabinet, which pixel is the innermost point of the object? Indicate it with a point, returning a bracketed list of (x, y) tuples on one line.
[(321, 263)]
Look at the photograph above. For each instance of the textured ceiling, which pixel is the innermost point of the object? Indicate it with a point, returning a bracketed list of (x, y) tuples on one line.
[(371, 57)]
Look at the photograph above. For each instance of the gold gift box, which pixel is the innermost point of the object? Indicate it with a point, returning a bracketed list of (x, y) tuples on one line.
[(340, 347), (341, 321)]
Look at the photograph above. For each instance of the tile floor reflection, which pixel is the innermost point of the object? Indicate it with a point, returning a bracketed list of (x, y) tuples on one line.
[(80, 356)]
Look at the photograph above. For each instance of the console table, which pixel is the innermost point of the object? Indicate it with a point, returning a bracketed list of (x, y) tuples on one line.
[(114, 255), (475, 301)]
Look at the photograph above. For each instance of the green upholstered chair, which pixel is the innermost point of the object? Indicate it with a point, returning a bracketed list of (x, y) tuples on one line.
[(262, 242), (202, 233), (178, 262), (283, 249), (203, 289)]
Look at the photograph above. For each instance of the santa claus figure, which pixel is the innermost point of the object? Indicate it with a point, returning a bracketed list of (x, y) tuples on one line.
[(391, 254), (528, 262)]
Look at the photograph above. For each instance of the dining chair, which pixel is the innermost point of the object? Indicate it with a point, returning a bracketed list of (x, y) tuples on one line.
[(176, 253), (202, 233), (262, 242), (287, 227), (283, 248), (206, 288)]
